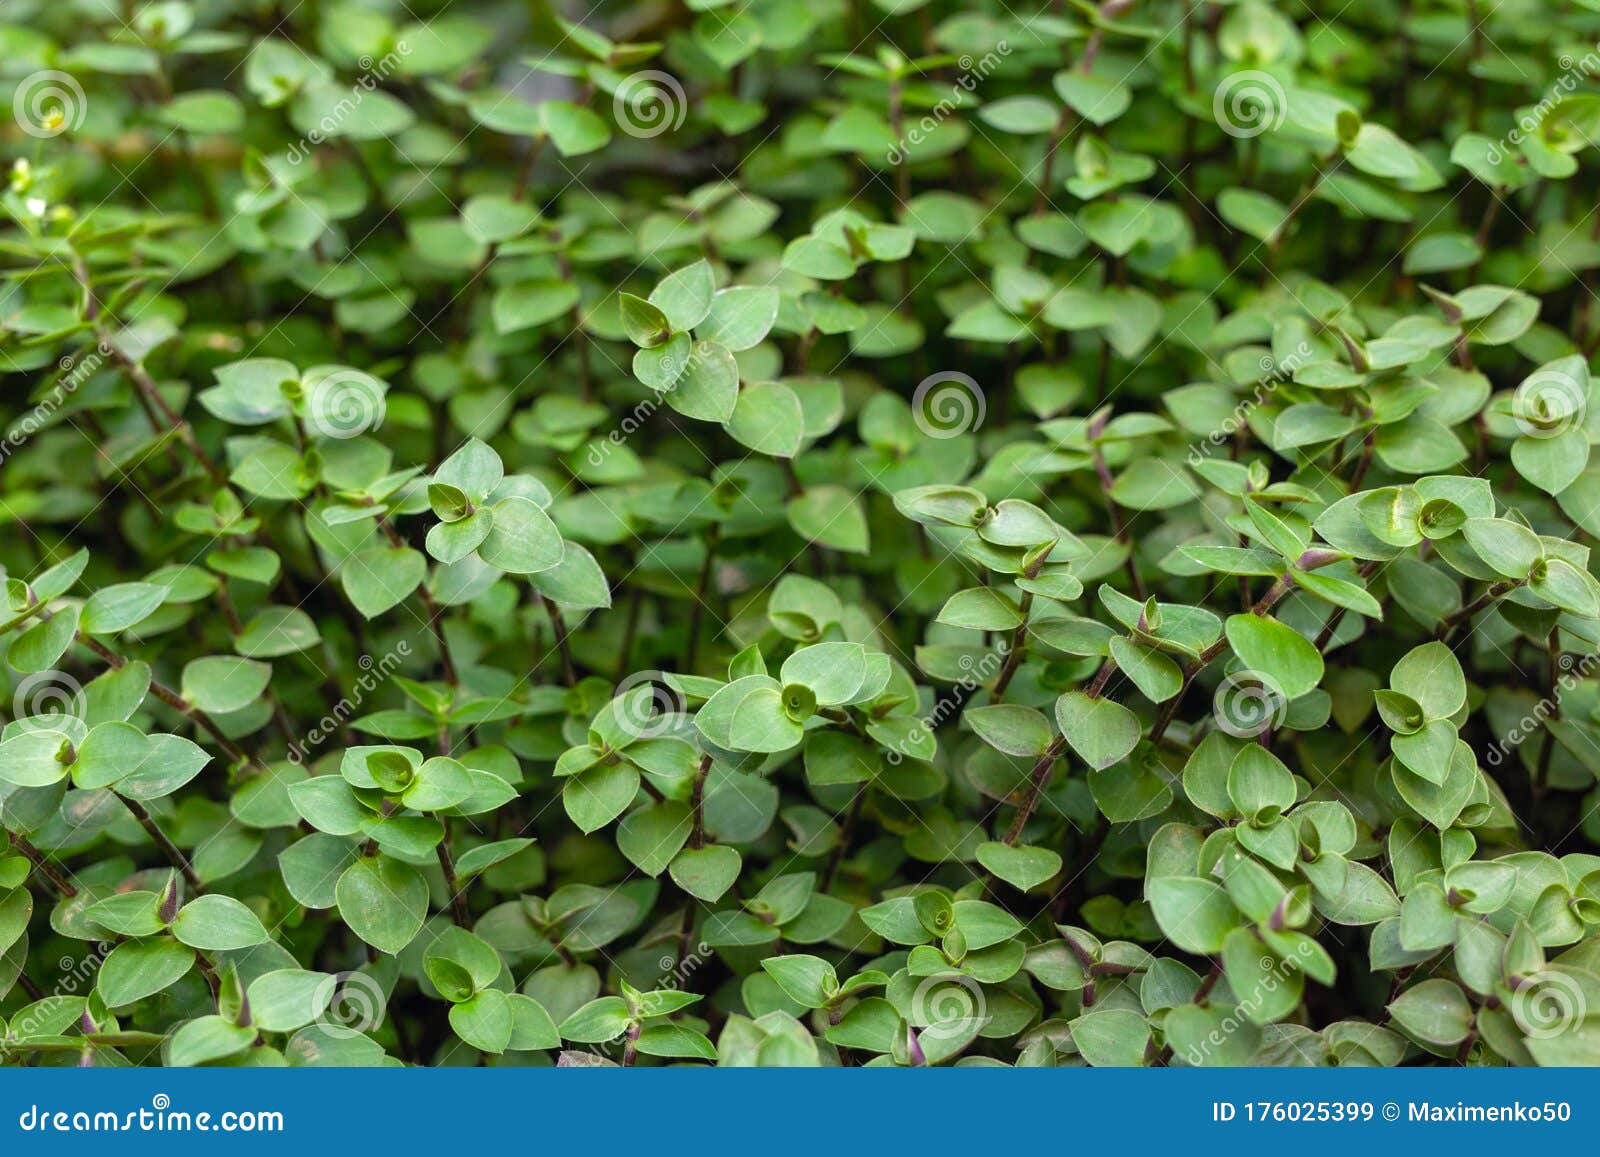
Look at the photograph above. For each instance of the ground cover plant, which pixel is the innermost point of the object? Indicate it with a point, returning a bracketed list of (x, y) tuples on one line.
[(799, 532)]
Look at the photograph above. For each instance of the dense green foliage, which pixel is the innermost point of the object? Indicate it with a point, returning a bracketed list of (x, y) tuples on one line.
[(800, 532)]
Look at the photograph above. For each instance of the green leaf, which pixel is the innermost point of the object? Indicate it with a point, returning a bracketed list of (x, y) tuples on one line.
[(223, 683), (1259, 785), (1435, 1011), (808, 980), (981, 609), (652, 836), (382, 577), (573, 129), (1024, 868), (207, 1039), (383, 901), (706, 873), (485, 1021), (532, 303), (1431, 675), (830, 516), (1111, 1038), (739, 317), (1015, 730), (1194, 914), (1278, 652), (599, 795), (834, 672), (598, 1021), (141, 968), (522, 539), (218, 924), (767, 418), (113, 609), (645, 324), (684, 295), (35, 758), (1099, 731), (289, 998)]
